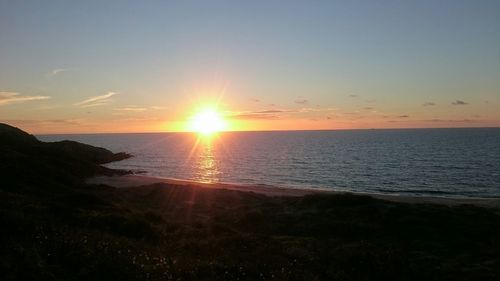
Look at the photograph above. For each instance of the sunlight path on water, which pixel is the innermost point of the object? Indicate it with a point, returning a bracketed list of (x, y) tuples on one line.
[(206, 164)]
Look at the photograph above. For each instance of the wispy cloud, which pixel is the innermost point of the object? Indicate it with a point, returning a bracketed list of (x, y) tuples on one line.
[(131, 108), (262, 114), (249, 116), (57, 71), (275, 113), (43, 122), (404, 116), (451, 120), (11, 97), (136, 108), (428, 103), (96, 100), (311, 110), (353, 96), (436, 120), (270, 111), (301, 101), (459, 102), (156, 107)]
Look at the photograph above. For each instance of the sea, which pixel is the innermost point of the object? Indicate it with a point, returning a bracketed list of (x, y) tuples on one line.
[(461, 162)]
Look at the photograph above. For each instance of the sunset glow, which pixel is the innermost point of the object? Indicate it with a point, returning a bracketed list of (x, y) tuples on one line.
[(207, 122), (372, 68), (243, 140)]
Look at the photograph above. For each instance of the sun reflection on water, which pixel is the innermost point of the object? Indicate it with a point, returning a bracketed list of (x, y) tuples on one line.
[(206, 166)]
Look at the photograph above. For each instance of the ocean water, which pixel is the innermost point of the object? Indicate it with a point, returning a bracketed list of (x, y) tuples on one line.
[(437, 162)]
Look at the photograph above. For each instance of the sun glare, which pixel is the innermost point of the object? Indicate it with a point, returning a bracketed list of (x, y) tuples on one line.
[(207, 122)]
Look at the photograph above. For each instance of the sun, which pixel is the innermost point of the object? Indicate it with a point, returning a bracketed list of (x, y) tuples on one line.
[(207, 122)]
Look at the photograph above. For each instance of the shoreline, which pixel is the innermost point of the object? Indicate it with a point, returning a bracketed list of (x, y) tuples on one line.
[(128, 181)]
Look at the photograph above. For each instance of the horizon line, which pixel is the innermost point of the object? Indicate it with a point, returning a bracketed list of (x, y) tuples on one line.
[(277, 130)]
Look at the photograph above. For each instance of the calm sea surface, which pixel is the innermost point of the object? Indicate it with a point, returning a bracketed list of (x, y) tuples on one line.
[(439, 162)]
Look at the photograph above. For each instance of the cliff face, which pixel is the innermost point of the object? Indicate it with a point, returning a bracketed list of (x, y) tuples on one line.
[(26, 161)]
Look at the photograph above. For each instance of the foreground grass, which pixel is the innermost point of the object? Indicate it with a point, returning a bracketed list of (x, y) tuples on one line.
[(162, 232)]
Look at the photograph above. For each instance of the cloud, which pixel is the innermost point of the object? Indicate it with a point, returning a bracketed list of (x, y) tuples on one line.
[(135, 108), (58, 71), (10, 97), (139, 119), (262, 114), (248, 116), (437, 121), (97, 100), (428, 103), (159, 107), (368, 108), (275, 113), (46, 122), (451, 121), (301, 101), (255, 100), (351, 113), (459, 102), (404, 116), (131, 108), (270, 111), (310, 109), (353, 96)]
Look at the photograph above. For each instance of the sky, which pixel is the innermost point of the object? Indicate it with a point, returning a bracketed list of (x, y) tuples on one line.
[(147, 66)]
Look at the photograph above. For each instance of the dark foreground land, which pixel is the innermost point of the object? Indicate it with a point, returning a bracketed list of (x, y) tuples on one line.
[(55, 227)]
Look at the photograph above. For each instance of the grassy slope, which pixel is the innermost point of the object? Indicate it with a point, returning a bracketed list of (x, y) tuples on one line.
[(81, 232)]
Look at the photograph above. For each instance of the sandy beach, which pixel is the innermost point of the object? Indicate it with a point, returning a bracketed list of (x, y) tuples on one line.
[(124, 181)]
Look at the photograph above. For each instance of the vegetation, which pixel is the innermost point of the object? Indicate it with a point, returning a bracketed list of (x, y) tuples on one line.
[(56, 227)]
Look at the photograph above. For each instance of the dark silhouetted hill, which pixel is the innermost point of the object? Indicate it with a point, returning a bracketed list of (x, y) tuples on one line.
[(12, 136), (26, 161)]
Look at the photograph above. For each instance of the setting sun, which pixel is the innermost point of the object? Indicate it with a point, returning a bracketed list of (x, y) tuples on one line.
[(207, 122)]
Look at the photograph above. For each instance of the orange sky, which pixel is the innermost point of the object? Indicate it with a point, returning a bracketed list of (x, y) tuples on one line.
[(305, 65), (263, 120)]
